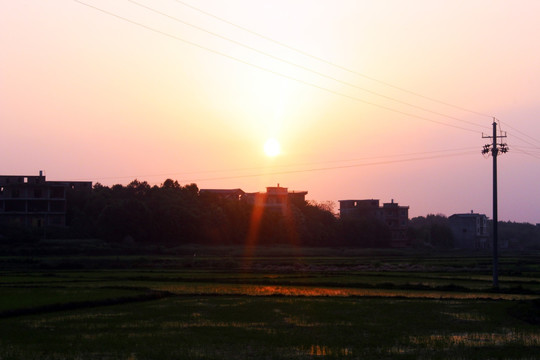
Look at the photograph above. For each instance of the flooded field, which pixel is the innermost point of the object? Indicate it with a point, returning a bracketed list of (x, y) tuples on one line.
[(219, 313), (314, 291)]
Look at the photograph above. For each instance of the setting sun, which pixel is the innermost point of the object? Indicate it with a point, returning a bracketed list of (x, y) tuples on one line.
[(272, 147), (321, 96)]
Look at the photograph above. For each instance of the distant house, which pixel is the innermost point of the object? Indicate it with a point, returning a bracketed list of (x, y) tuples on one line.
[(470, 230), (276, 198), (396, 217), (358, 208), (31, 200), (223, 194)]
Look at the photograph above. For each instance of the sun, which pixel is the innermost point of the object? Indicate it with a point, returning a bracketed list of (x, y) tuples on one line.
[(272, 147)]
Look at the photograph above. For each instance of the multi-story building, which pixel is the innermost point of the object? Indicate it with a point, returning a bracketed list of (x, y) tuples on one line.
[(359, 208), (470, 230), (276, 198), (31, 200), (397, 218), (394, 216)]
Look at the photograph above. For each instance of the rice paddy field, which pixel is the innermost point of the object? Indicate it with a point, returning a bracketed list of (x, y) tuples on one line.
[(211, 306)]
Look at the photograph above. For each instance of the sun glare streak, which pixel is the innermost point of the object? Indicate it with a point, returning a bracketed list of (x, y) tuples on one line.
[(253, 233)]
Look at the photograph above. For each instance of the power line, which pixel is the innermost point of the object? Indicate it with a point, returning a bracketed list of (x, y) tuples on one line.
[(318, 73), (272, 71), (332, 167), (294, 165), (522, 133), (329, 62), (535, 148), (520, 150), (459, 152), (306, 83), (523, 140)]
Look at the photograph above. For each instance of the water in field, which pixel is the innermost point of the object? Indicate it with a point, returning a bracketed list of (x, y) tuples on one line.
[(312, 291), (316, 313)]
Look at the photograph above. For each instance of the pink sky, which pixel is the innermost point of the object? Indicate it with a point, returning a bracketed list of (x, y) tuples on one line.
[(85, 95)]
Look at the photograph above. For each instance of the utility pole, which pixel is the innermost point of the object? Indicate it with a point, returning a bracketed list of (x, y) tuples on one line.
[(495, 148)]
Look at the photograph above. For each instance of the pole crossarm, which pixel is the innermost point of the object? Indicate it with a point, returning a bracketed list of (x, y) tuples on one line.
[(495, 148)]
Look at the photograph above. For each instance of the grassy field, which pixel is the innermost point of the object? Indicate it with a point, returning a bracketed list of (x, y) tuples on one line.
[(269, 306)]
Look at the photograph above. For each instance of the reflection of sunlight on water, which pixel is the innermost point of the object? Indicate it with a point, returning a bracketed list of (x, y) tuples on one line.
[(296, 321), (465, 316), (322, 350), (214, 324), (510, 337), (309, 291), (295, 291)]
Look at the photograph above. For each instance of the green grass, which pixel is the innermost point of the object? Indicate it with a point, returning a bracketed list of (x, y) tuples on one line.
[(275, 328), (27, 298), (385, 307)]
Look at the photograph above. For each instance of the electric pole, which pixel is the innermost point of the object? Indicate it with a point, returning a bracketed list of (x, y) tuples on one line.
[(495, 148)]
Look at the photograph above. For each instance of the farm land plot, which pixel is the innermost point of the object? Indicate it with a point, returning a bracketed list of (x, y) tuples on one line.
[(319, 310)]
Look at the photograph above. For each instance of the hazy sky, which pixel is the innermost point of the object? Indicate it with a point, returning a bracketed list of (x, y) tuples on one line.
[(167, 89)]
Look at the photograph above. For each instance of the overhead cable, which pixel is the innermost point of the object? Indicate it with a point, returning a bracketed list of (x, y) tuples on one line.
[(311, 169), (272, 71), (329, 62), (318, 73), (521, 132)]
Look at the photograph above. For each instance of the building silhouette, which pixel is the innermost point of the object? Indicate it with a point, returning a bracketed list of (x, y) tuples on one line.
[(396, 217), (31, 200), (276, 198), (470, 230)]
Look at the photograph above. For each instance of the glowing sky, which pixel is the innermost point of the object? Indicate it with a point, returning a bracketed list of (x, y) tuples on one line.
[(86, 95)]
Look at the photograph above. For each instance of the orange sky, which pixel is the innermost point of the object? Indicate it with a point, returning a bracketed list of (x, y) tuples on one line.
[(126, 92)]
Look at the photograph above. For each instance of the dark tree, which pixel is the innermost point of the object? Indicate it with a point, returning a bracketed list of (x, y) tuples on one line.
[(432, 230)]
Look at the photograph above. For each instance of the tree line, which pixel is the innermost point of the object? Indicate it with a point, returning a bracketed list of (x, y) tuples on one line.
[(434, 231), (174, 214)]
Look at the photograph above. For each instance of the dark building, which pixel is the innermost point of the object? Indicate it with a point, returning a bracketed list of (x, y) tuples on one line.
[(358, 208), (31, 200), (394, 216), (470, 230), (277, 198), (222, 194)]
